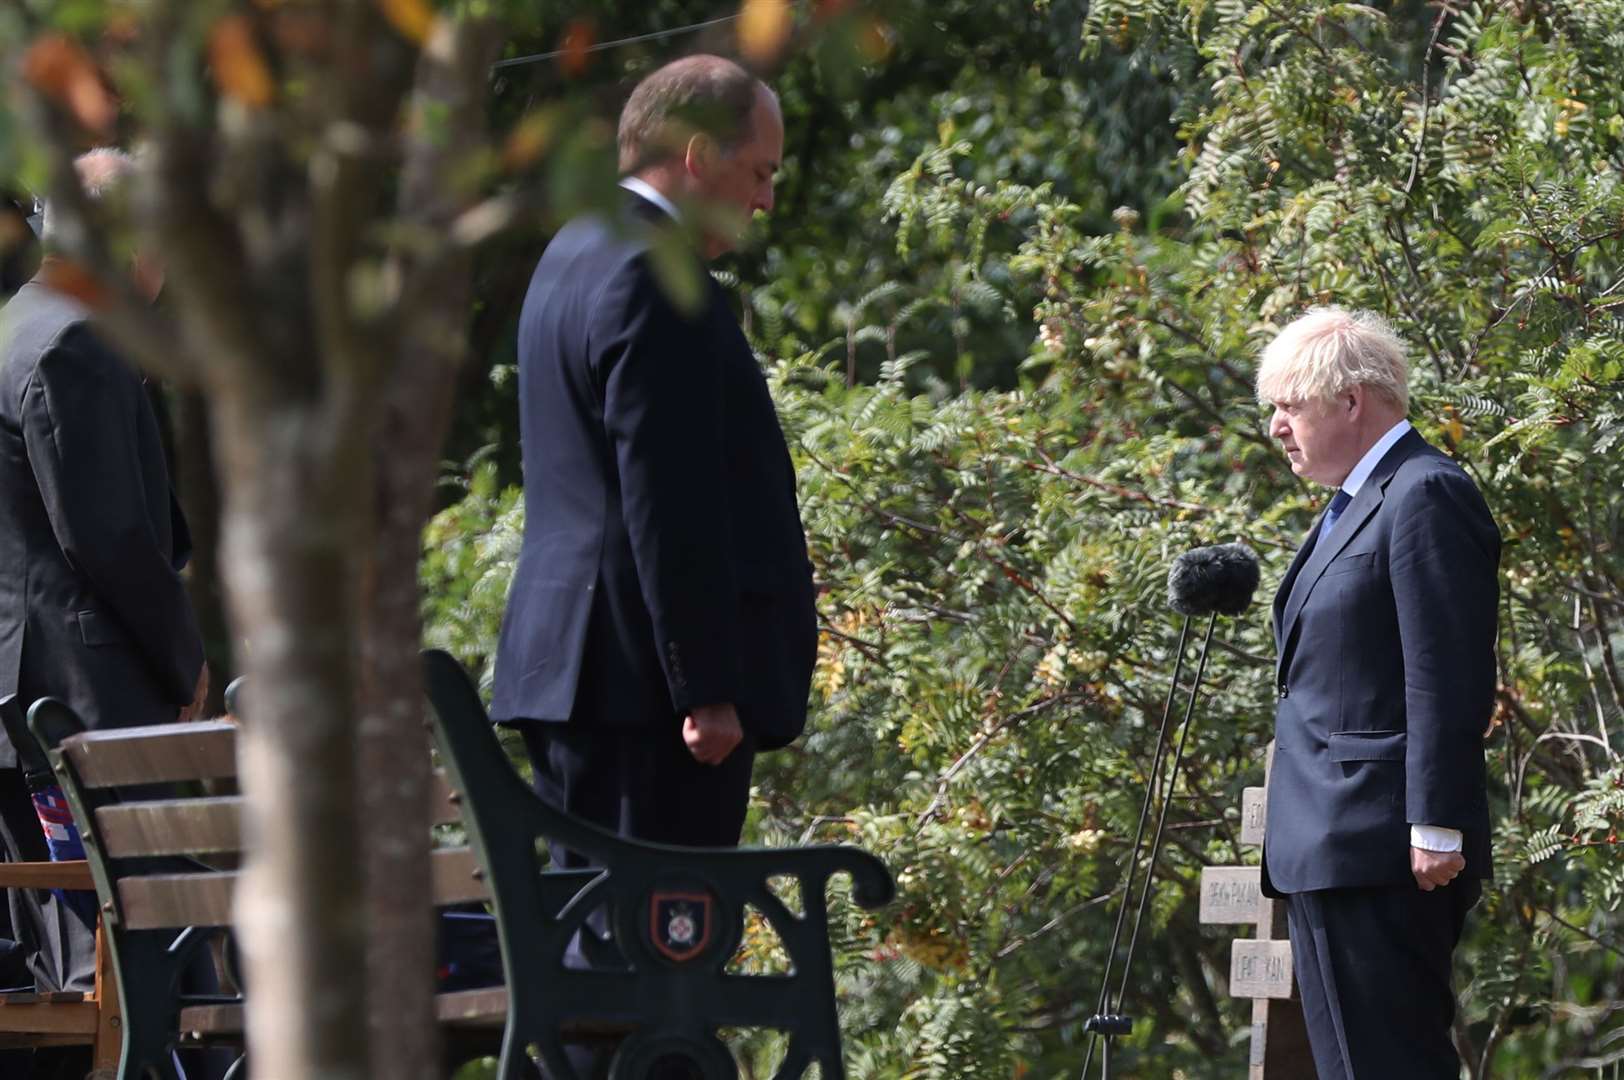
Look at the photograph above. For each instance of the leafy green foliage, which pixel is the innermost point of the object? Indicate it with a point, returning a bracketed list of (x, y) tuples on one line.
[(1011, 416)]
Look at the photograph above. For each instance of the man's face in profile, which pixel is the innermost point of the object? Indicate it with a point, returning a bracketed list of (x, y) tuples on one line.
[(737, 183)]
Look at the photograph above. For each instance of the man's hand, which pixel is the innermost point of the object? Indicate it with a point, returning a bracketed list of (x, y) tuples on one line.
[(1435, 868), (194, 711), (711, 732)]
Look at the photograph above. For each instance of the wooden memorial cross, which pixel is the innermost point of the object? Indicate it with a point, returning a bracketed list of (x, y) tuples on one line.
[(1259, 968)]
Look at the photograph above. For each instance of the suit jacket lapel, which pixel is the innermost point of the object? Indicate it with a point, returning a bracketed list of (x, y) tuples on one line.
[(1311, 562), (1305, 570), (1304, 550)]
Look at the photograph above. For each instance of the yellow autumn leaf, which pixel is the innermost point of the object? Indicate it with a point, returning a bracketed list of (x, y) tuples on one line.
[(764, 28), (530, 139), (238, 66), (829, 675), (932, 947), (874, 40), (412, 18)]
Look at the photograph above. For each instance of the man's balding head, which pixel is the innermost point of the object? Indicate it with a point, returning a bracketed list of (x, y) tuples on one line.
[(697, 95)]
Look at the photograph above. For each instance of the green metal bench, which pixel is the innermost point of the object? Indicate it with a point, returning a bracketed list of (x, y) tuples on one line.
[(677, 916), (164, 867)]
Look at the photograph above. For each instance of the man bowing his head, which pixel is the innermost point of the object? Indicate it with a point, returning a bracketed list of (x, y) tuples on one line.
[(1378, 821), (660, 629)]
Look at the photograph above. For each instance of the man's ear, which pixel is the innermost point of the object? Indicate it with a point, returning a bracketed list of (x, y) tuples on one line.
[(699, 154)]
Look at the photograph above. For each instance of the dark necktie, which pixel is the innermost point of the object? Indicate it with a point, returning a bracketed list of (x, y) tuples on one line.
[(1339, 503)]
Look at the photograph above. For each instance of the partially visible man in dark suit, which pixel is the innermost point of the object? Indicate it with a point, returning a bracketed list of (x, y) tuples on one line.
[(1378, 820), (661, 629), (19, 258), (92, 608), (19, 246)]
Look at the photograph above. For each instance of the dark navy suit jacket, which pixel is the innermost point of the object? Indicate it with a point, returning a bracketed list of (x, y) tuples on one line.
[(1386, 675), (92, 607), (664, 564)]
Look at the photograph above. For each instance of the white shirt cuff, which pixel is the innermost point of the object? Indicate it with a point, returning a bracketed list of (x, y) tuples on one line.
[(1435, 838)]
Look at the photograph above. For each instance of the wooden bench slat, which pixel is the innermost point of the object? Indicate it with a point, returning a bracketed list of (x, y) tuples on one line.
[(51, 1018), (177, 900), (211, 1020), (160, 754), (72, 874), (484, 1007), (210, 825), (204, 899), (172, 826)]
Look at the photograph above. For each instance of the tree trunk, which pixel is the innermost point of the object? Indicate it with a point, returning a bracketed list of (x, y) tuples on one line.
[(292, 489), (406, 441), (392, 795)]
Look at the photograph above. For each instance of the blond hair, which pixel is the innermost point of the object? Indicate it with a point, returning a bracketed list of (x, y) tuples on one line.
[(1330, 350)]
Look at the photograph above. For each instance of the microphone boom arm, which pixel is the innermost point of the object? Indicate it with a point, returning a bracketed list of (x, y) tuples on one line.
[(1106, 1022)]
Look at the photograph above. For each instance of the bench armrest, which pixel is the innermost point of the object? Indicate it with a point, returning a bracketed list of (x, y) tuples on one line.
[(72, 874)]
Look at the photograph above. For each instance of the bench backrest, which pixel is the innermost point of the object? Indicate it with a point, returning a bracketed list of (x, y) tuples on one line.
[(166, 846)]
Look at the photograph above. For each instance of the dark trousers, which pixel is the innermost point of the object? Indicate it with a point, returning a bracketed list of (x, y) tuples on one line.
[(644, 784), (1373, 969), (640, 782)]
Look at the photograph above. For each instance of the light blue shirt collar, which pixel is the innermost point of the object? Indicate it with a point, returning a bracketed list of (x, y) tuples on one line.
[(1367, 464), (638, 186)]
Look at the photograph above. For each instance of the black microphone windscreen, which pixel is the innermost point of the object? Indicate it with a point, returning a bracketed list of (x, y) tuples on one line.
[(1220, 578)]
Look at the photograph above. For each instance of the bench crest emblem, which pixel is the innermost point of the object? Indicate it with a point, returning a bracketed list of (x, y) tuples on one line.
[(681, 924)]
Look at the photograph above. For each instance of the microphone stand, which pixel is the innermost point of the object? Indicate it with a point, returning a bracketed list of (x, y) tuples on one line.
[(1107, 1023)]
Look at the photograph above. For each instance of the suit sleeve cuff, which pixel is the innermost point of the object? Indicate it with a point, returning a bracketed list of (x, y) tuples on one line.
[(1435, 838)]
